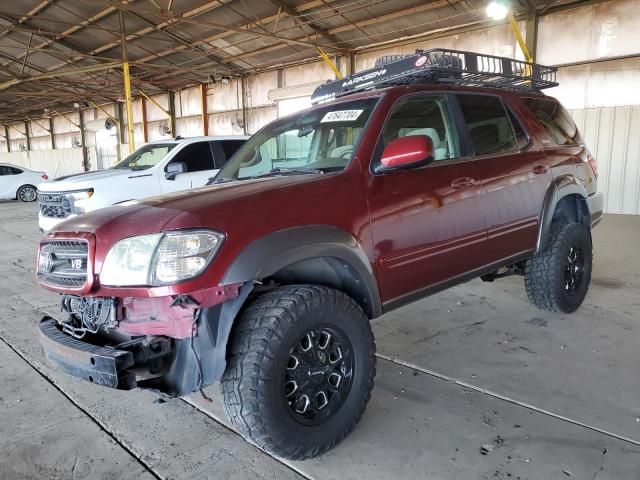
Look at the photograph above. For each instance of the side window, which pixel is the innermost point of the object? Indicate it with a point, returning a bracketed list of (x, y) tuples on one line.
[(490, 129), (7, 170), (197, 157), (424, 115), (229, 147), (555, 120)]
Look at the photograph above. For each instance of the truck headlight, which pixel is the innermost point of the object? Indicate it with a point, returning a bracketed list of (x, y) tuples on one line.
[(80, 194), (76, 199), (160, 258)]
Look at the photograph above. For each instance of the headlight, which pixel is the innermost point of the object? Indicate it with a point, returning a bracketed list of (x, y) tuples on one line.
[(75, 199), (129, 261), (80, 195), (159, 259)]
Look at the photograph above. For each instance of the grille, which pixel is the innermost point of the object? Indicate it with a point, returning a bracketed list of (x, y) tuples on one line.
[(63, 263), (54, 205)]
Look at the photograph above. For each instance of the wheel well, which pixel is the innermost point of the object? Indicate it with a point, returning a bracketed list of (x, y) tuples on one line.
[(572, 209), (331, 272)]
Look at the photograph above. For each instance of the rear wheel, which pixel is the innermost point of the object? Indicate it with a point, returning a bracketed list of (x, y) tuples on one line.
[(27, 193), (558, 278), (301, 370)]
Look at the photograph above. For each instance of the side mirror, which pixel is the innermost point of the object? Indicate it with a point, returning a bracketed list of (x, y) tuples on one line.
[(407, 152), (174, 168)]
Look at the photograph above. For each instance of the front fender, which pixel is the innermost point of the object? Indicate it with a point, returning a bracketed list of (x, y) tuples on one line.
[(315, 253)]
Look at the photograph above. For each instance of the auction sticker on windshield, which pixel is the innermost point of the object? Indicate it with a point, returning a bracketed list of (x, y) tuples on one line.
[(341, 116)]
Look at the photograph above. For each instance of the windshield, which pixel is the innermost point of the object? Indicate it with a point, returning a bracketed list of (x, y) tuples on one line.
[(146, 157), (316, 141)]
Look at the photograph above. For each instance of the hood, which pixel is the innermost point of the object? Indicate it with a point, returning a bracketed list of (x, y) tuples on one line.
[(216, 206), (84, 180)]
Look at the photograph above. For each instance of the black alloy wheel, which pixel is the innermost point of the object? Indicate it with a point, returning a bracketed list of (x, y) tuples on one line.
[(318, 375), (573, 270)]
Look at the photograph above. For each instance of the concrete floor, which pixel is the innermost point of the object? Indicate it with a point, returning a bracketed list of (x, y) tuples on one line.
[(556, 396)]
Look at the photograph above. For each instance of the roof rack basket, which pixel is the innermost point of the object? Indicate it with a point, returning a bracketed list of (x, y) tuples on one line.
[(444, 66)]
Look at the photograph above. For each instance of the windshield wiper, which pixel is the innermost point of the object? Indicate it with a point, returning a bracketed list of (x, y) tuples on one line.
[(288, 171)]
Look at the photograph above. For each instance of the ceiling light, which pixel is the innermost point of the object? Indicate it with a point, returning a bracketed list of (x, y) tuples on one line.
[(497, 10)]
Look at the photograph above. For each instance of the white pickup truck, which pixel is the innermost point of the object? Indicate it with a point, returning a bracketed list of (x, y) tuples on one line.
[(162, 166)]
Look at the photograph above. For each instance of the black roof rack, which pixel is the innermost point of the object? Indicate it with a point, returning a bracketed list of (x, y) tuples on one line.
[(444, 66)]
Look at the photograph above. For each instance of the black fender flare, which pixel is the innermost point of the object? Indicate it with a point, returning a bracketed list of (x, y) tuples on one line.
[(324, 253), (558, 189)]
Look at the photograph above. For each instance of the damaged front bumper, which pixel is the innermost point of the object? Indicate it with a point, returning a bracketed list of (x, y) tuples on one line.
[(145, 354), (106, 366)]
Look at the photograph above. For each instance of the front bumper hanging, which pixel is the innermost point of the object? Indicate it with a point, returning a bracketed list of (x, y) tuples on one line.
[(102, 365)]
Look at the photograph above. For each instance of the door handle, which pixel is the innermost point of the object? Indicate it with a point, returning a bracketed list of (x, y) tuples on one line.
[(539, 169), (462, 182)]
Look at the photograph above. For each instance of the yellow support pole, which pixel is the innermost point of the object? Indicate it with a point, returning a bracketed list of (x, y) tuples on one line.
[(127, 96), (127, 84), (516, 30), (330, 63)]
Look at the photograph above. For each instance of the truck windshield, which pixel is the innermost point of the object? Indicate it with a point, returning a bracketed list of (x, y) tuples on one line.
[(312, 141), (146, 157)]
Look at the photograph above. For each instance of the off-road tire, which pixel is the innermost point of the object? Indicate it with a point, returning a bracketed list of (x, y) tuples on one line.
[(260, 347), (22, 195), (544, 277)]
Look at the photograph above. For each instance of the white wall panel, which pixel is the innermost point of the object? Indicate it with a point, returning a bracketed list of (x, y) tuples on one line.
[(190, 102), (153, 112), (611, 133), (189, 127), (258, 87), (222, 98), (607, 29), (54, 163)]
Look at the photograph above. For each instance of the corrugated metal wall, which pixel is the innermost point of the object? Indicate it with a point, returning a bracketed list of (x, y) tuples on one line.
[(613, 136)]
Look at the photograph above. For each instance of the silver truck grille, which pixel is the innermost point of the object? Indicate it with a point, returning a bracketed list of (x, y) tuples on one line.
[(63, 263)]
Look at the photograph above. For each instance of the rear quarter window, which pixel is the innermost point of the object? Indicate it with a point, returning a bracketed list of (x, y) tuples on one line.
[(555, 119)]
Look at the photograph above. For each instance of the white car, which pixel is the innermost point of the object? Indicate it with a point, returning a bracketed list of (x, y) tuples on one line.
[(19, 182), (162, 166)]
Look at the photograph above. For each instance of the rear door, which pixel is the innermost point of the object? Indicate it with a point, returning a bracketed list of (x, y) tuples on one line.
[(427, 222), (514, 175), (198, 159)]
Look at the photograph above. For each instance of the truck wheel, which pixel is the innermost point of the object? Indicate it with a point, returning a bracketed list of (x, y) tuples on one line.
[(27, 193), (300, 370), (558, 278)]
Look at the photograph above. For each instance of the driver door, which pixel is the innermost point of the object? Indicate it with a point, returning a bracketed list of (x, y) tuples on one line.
[(427, 222), (198, 160)]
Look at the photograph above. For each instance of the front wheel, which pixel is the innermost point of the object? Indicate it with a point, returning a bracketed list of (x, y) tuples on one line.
[(301, 370), (558, 278), (27, 193)]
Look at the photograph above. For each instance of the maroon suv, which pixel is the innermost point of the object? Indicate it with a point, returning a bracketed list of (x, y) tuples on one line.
[(402, 181)]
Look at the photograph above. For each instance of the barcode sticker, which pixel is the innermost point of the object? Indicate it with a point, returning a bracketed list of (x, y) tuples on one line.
[(341, 116)]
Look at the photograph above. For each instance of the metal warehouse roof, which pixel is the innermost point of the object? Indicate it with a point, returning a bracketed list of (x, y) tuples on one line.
[(57, 52)]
